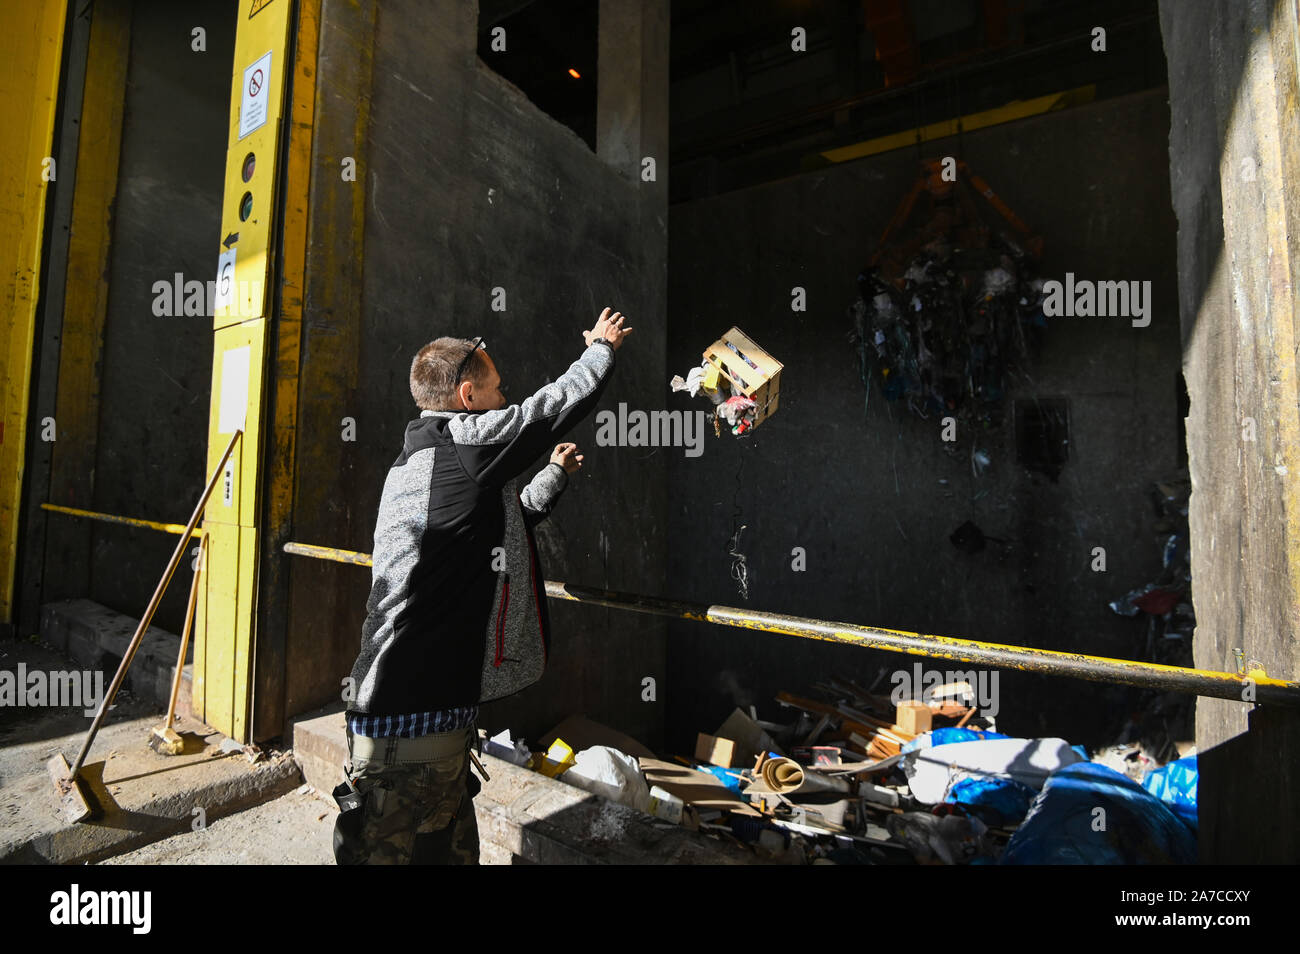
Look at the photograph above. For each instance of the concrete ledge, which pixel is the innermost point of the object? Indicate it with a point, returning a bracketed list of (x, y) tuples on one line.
[(526, 818), (96, 637), (146, 796)]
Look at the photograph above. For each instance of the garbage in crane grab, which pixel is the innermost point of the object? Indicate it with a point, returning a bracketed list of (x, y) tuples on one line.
[(740, 379)]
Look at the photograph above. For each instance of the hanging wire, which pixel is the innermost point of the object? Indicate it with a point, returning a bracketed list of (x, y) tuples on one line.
[(739, 571)]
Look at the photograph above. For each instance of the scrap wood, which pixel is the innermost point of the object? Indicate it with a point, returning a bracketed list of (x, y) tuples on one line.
[(888, 729), (818, 729), (865, 767), (875, 747), (863, 696), (856, 722)]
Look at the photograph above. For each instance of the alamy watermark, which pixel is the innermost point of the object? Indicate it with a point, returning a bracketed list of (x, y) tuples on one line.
[(129, 908), (923, 685), (674, 428), (1083, 298), (58, 688), (179, 298)]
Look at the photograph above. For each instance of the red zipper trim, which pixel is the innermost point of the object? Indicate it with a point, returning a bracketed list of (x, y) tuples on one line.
[(501, 626), (532, 574)]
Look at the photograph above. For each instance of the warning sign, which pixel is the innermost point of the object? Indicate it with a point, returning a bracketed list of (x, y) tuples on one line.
[(256, 94)]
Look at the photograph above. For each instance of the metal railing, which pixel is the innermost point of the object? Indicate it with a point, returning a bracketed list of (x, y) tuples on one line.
[(1128, 672)]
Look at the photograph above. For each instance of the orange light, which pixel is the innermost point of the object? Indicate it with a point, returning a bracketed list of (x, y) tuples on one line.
[(574, 73)]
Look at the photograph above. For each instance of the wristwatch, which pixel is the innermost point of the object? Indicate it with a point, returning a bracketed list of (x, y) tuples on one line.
[(602, 339)]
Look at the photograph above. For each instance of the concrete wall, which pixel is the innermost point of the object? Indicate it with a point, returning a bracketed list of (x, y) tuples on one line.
[(469, 187), (1235, 168), (155, 372), (874, 496)]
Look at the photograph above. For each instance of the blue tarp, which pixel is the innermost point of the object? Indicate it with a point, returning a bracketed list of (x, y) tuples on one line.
[(1090, 814)]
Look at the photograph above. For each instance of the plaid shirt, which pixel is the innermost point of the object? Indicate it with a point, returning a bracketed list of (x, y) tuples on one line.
[(414, 725)]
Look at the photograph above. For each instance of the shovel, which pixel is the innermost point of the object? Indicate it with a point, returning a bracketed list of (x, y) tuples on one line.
[(78, 802)]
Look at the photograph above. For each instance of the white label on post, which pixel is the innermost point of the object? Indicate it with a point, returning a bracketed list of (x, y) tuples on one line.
[(234, 390), (256, 95), (225, 296), (228, 484)]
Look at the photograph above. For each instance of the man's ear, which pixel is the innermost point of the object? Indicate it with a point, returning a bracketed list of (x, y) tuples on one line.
[(462, 391)]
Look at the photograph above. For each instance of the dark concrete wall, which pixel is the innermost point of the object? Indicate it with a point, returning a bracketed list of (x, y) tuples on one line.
[(468, 187), (1235, 166), (156, 371), (874, 496)]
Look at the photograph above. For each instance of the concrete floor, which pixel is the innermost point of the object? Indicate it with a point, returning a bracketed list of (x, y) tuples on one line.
[(144, 796), (294, 829)]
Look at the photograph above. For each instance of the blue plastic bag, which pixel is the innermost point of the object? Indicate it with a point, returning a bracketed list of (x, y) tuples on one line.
[(949, 735), (1064, 826), (997, 801), (1175, 785), (728, 777)]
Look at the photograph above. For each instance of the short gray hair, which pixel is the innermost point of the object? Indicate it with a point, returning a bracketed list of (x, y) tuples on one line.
[(433, 372)]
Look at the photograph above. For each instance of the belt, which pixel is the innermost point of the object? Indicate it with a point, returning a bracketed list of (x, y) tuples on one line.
[(436, 745)]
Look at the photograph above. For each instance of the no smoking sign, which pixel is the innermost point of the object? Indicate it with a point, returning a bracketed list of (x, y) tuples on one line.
[(253, 106)]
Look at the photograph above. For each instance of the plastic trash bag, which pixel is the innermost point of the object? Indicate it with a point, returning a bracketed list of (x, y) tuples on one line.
[(602, 770), (998, 801), (1175, 785), (948, 736), (1088, 814), (932, 772)]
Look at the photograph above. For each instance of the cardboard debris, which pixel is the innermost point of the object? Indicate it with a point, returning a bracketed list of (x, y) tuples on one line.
[(703, 791), (750, 738), (913, 717), (582, 733), (715, 751)]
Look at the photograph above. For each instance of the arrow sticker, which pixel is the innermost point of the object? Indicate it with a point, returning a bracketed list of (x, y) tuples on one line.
[(231, 239)]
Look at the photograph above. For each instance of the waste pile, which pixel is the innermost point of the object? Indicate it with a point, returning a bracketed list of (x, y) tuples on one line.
[(851, 777), (947, 313)]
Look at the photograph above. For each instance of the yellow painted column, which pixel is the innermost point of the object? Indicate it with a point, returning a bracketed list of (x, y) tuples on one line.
[(31, 47), (243, 259)]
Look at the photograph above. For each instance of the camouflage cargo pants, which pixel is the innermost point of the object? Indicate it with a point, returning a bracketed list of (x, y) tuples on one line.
[(417, 803)]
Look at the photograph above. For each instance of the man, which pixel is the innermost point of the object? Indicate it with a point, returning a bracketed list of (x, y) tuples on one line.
[(456, 614)]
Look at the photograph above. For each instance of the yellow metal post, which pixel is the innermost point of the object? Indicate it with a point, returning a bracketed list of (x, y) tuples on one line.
[(226, 620), (271, 656), (31, 47)]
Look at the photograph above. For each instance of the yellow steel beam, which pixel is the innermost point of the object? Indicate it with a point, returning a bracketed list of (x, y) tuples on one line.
[(1020, 109), (128, 521), (31, 47), (1026, 658)]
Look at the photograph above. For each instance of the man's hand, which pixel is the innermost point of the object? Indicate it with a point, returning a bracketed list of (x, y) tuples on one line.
[(610, 327), (567, 456)]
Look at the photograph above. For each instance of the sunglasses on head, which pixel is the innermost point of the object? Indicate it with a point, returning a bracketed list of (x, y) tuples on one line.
[(464, 364)]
